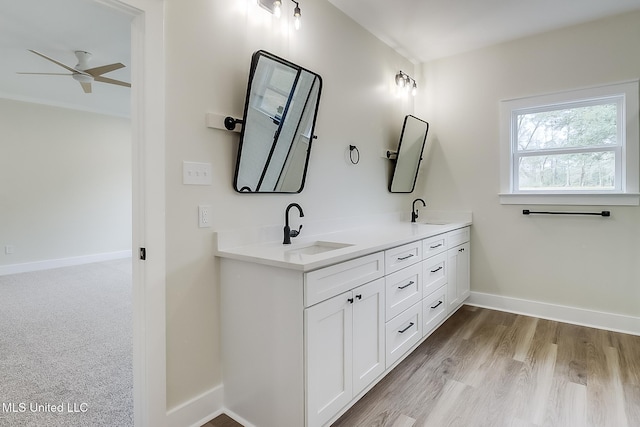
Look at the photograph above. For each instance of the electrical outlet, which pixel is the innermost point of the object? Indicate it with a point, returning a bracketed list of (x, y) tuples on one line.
[(9, 249), (204, 216), (194, 173)]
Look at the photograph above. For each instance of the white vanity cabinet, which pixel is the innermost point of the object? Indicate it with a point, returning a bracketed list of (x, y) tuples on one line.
[(345, 349), (300, 347)]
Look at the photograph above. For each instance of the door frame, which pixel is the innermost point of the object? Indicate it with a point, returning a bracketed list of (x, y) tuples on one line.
[(148, 205)]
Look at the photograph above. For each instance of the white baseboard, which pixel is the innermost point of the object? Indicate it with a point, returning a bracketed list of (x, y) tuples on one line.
[(199, 410), (561, 313), (62, 262)]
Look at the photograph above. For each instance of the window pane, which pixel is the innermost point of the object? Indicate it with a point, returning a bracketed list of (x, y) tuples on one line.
[(273, 103), (579, 171), (567, 128)]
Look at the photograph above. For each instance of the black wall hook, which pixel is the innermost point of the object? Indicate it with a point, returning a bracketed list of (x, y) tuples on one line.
[(230, 122)]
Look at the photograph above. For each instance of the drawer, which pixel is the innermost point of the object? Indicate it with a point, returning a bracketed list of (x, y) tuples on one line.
[(434, 273), (456, 237), (434, 245), (327, 282), (402, 256), (403, 289), (434, 309), (403, 332)]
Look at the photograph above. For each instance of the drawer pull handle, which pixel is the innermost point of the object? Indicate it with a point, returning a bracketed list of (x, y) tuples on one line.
[(406, 329), (350, 300), (359, 296), (461, 250), (407, 285), (437, 269), (436, 246), (405, 257), (436, 306)]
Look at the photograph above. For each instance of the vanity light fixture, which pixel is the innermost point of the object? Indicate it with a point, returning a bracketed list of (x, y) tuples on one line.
[(404, 81), (275, 7), (296, 15)]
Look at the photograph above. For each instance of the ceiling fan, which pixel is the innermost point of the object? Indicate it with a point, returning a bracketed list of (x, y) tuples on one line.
[(82, 73)]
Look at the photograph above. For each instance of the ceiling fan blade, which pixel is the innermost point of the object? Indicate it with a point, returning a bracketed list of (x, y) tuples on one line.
[(66, 67), (111, 81), (86, 87), (49, 74), (98, 71)]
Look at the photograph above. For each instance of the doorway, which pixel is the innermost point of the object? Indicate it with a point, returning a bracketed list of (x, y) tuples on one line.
[(148, 207)]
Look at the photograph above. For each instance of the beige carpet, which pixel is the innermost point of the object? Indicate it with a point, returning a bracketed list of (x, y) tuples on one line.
[(66, 347)]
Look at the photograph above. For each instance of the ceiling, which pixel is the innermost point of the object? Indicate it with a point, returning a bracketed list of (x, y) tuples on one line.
[(420, 30), (57, 28)]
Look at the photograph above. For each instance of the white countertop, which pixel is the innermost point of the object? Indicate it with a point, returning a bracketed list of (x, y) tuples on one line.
[(361, 240)]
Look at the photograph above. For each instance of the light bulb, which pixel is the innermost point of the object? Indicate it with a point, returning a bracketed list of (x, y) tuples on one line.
[(296, 17), (414, 91), (276, 8), (400, 79)]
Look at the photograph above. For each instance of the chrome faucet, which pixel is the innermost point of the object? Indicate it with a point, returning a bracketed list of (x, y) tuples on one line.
[(288, 232), (414, 211)]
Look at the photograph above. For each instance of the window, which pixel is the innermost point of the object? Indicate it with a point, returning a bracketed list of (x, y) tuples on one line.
[(576, 147)]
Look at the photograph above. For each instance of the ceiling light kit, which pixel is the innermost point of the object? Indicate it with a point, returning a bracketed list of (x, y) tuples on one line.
[(406, 82), (275, 7)]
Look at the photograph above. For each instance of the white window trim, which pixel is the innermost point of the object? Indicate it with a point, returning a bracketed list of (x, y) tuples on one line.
[(629, 192)]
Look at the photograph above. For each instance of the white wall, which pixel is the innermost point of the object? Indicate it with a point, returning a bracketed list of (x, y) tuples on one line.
[(584, 262), (65, 183), (208, 49)]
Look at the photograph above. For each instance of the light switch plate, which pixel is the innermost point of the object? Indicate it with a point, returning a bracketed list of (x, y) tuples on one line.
[(194, 173)]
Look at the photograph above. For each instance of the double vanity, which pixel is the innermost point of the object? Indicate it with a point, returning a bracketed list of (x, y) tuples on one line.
[(309, 327)]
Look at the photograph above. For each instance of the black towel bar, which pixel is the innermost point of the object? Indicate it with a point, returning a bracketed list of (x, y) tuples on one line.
[(528, 212)]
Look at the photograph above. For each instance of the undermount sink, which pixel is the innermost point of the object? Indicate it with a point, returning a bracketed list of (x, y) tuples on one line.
[(315, 248)]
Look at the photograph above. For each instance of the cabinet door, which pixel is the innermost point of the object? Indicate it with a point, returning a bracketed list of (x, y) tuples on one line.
[(463, 274), (458, 275), (368, 334), (329, 357)]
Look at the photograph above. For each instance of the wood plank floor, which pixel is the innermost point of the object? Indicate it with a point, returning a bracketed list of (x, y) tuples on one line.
[(486, 368), (222, 421)]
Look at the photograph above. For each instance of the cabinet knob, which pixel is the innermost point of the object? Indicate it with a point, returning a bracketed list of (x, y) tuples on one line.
[(359, 296), (461, 250), (350, 300)]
